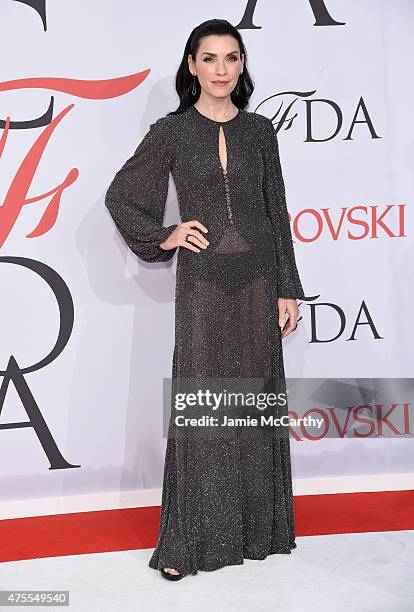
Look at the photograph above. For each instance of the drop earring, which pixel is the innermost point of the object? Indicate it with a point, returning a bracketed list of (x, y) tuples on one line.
[(194, 89), (237, 86)]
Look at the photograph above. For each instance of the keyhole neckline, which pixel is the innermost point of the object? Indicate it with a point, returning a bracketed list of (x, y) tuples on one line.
[(213, 120)]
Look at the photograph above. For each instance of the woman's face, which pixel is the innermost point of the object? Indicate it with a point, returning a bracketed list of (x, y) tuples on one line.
[(218, 59)]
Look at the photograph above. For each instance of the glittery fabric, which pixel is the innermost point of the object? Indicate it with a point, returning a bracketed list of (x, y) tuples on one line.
[(223, 500)]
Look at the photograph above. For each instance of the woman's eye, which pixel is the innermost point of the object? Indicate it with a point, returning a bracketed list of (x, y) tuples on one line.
[(232, 57)]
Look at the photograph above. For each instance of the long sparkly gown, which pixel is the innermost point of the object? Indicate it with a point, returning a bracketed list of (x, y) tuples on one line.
[(229, 498)]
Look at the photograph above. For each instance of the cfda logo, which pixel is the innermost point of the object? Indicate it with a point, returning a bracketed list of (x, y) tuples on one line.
[(319, 8), (280, 109), (16, 374)]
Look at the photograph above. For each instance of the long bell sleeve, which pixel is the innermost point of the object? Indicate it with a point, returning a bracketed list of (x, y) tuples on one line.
[(289, 284), (136, 197)]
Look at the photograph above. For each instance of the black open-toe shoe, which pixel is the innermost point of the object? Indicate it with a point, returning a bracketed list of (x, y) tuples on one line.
[(169, 576)]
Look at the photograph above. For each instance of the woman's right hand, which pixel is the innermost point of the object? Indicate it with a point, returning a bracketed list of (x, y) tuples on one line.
[(177, 238)]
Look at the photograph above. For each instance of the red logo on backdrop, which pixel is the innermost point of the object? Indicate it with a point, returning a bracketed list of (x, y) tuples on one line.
[(16, 197)]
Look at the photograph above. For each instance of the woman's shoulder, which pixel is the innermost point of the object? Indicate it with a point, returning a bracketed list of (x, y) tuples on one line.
[(168, 122), (261, 126), (258, 120), (166, 126), (162, 124)]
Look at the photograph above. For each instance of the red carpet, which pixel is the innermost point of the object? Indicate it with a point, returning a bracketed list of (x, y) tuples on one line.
[(129, 529)]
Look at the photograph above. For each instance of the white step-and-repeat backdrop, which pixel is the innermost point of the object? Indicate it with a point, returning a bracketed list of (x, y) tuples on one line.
[(87, 329)]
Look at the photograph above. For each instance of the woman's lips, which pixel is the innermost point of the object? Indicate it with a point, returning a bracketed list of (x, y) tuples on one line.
[(220, 83)]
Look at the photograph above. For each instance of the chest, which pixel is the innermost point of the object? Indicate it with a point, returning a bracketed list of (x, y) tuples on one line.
[(204, 156)]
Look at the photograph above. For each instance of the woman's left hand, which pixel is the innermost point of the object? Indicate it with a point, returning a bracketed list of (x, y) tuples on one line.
[(290, 307)]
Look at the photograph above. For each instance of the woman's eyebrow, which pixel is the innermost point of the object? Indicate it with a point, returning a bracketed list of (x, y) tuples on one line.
[(215, 54)]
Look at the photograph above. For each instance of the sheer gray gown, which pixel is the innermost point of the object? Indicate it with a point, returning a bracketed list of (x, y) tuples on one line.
[(224, 499)]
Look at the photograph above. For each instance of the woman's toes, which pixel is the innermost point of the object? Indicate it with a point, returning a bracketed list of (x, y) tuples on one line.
[(170, 570)]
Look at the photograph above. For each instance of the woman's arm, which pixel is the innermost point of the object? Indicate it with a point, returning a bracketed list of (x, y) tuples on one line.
[(289, 284), (137, 195)]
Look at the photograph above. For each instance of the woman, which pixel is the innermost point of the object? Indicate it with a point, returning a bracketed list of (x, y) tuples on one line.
[(225, 498)]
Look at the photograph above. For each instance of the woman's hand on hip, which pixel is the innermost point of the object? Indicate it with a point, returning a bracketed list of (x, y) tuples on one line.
[(195, 242)]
